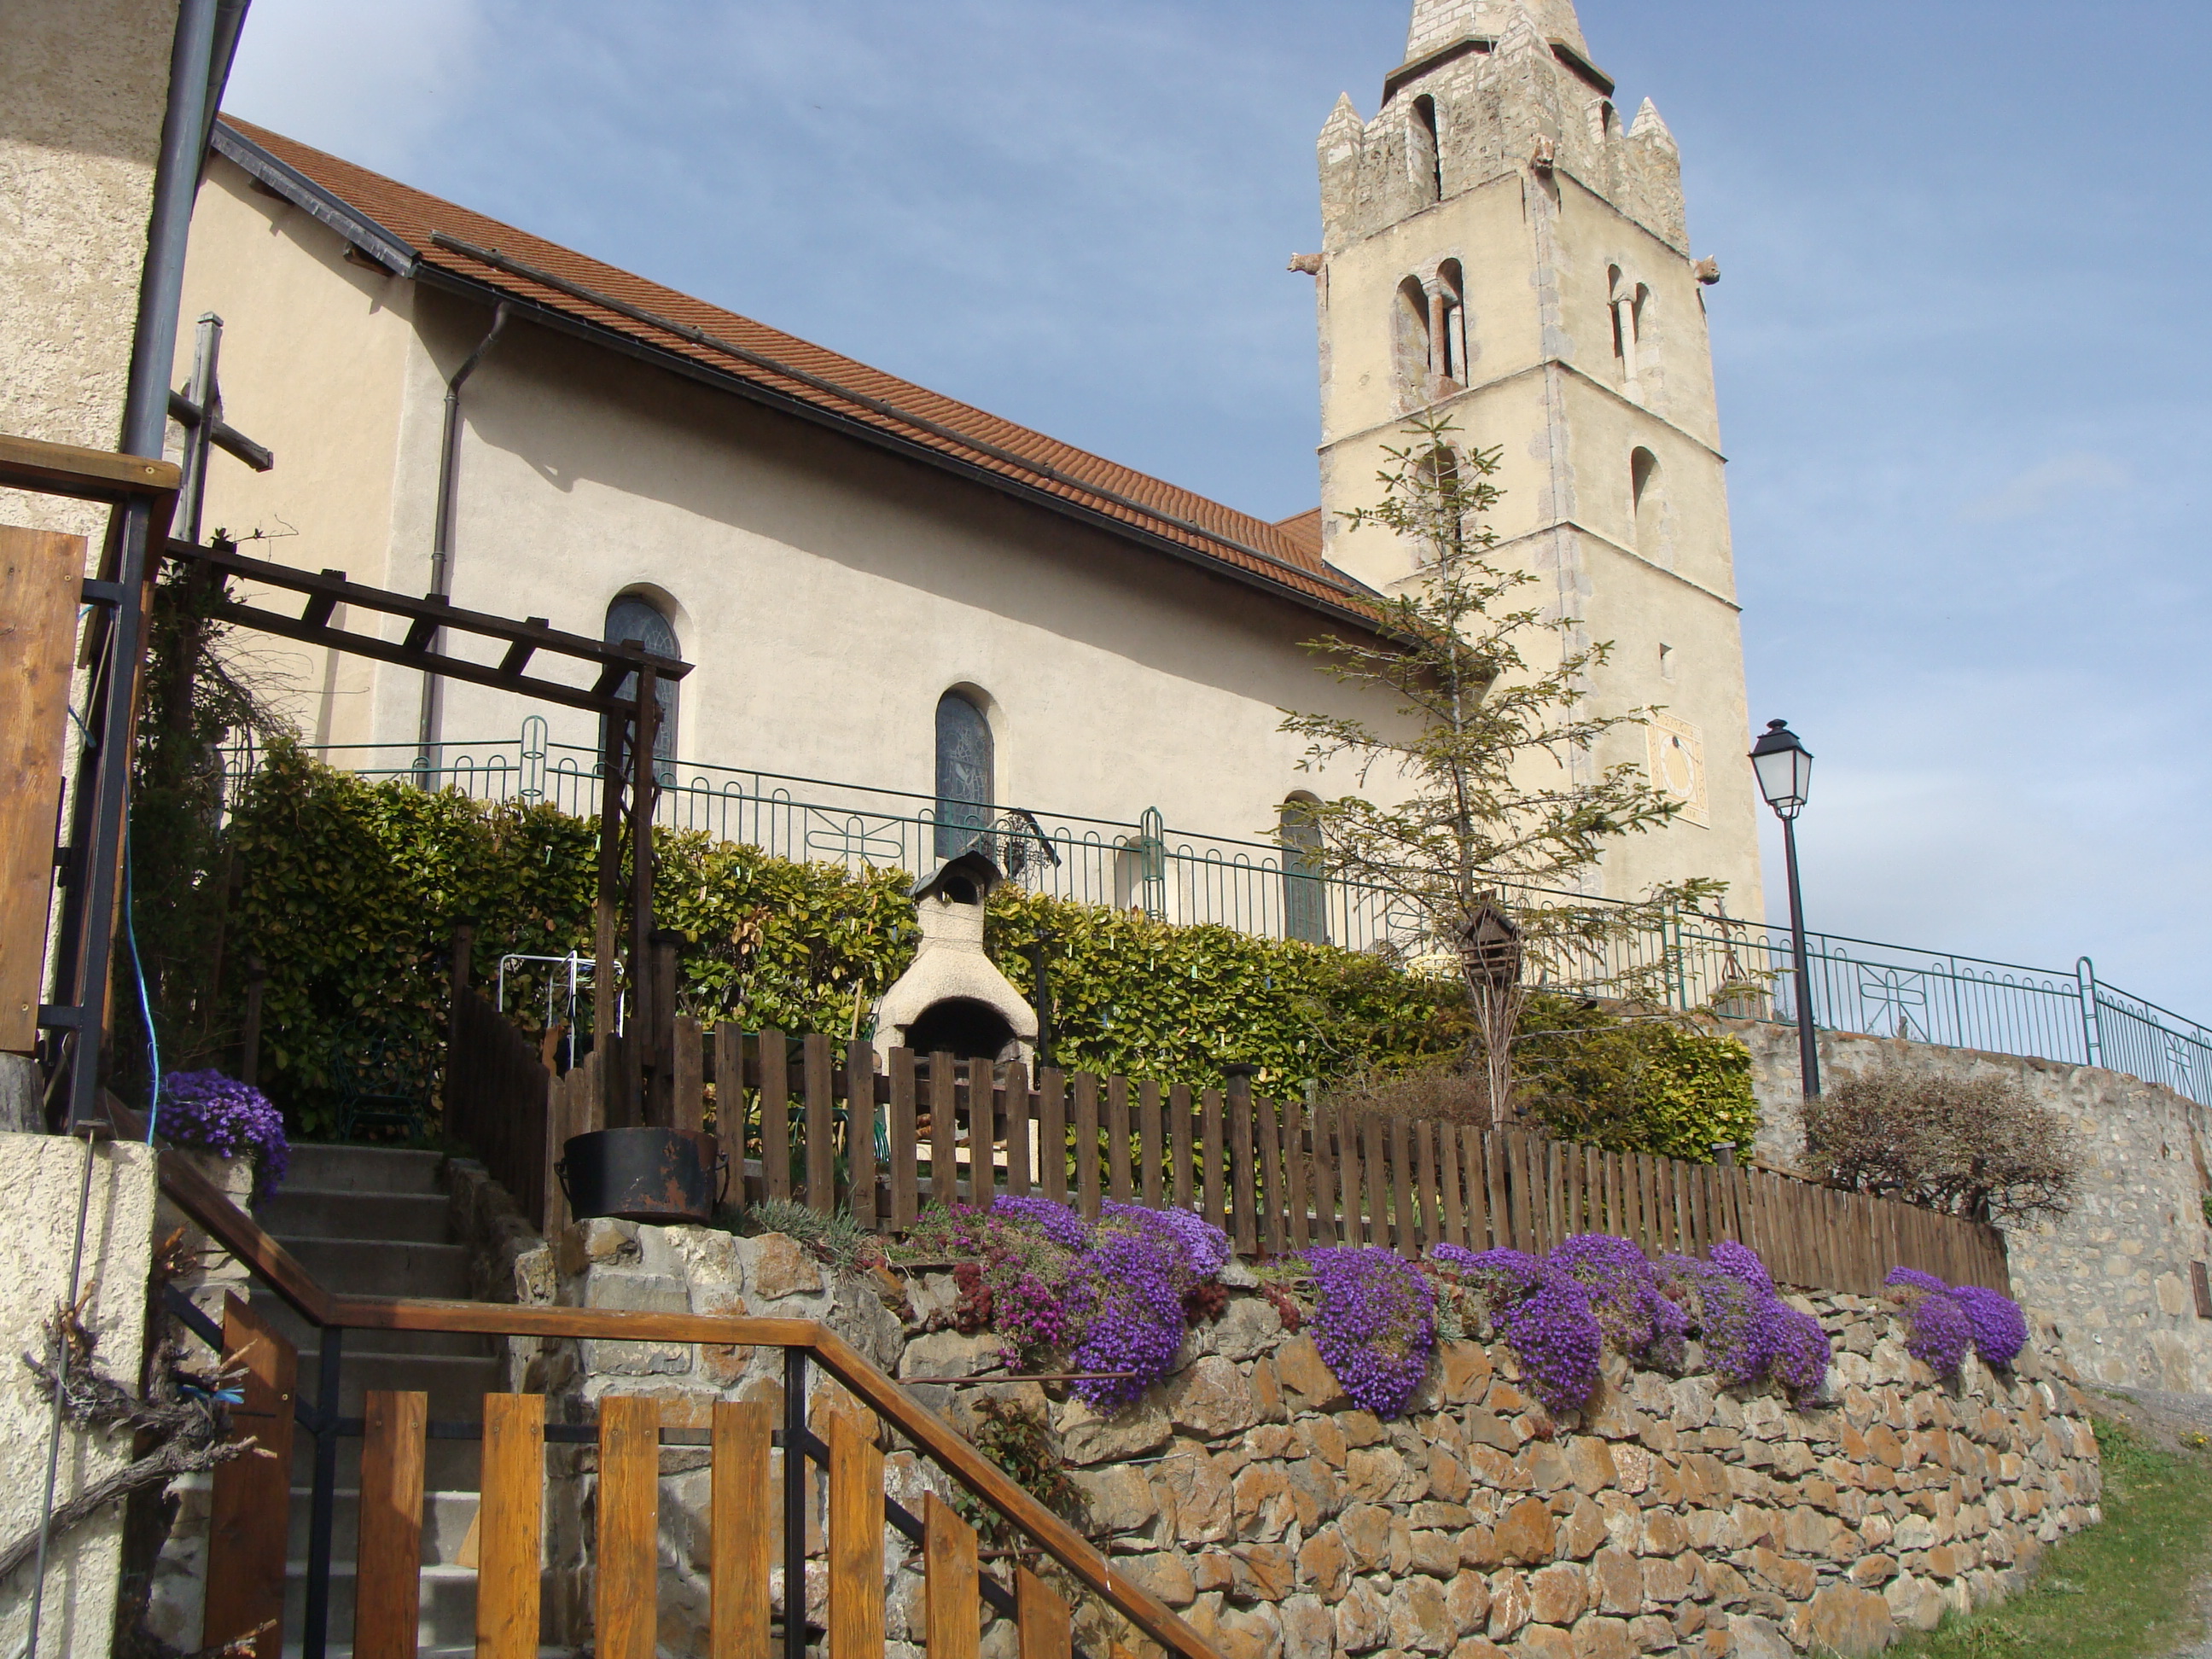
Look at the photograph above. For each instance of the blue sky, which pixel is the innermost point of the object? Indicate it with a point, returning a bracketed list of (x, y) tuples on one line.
[(1961, 340)]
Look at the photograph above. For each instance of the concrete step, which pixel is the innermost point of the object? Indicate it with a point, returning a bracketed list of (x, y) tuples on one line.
[(456, 1383), (445, 1518), (300, 1211), (448, 1604), (382, 1267), (300, 1334), (365, 1169)]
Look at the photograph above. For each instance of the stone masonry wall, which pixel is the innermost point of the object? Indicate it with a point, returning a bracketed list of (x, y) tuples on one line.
[(2109, 1282), (1675, 1517)]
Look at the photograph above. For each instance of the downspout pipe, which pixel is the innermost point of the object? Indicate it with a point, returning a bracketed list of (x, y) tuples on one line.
[(442, 535)]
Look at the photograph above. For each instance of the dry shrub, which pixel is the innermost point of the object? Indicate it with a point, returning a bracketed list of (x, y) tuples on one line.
[(1454, 1093), (1970, 1147)]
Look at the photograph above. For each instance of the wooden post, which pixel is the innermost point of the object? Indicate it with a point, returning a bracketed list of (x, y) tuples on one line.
[(1243, 1199), (40, 575), (1149, 1148), (856, 1538), (950, 1583), (251, 1503), (627, 1568), (1017, 1129), (743, 1531), (1046, 1629), (775, 1113), (1117, 1140), (607, 996), (1052, 1134), (1179, 1144), (860, 1129), (944, 1129), (510, 1526), (249, 1054), (821, 1127), (1086, 1144), (388, 1564), (905, 1200)]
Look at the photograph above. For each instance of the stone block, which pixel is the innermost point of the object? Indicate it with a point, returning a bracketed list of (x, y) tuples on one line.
[(1085, 1437), (1467, 1597), (1259, 1501), (1372, 1473), (1557, 1594), (1211, 1400), (1509, 1605), (1363, 1622), (1434, 1552), (1308, 1383), (780, 1266), (1261, 1572), (1853, 1622), (1324, 1565), (1650, 1633), (1366, 1529), (1166, 1574), (1616, 1581), (1248, 1328), (1753, 1636), (1526, 1534), (1198, 1489), (1420, 1620), (1596, 1636), (1309, 1629), (1464, 1372), (1584, 1531), (1118, 1500), (1547, 1642)]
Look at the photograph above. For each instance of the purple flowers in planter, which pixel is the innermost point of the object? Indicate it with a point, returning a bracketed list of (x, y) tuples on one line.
[(211, 1113), (1374, 1323), (1062, 1225), (1943, 1319)]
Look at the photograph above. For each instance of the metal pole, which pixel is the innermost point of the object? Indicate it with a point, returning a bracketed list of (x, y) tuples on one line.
[(322, 1507), (1808, 1047), (795, 1503)]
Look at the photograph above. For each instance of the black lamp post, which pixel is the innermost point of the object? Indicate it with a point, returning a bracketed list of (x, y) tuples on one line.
[(1784, 767)]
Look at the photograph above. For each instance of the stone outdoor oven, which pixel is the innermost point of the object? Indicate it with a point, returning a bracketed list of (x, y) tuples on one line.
[(952, 997)]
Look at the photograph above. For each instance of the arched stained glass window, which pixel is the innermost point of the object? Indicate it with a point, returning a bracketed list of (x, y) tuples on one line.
[(1305, 903), (633, 616), (963, 773)]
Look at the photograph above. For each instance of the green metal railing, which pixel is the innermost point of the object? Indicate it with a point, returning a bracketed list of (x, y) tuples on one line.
[(1738, 967)]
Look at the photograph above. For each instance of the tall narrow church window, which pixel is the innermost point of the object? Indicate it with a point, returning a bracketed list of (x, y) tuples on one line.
[(633, 617), (1424, 159), (1618, 323), (1305, 907), (1451, 297), (964, 773), (1409, 336), (1645, 501)]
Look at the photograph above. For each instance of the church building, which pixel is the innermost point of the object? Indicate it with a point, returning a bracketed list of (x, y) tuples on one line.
[(911, 620)]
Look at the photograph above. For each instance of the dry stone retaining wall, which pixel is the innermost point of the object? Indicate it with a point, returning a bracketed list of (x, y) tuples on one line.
[(1675, 1517), (2108, 1284)]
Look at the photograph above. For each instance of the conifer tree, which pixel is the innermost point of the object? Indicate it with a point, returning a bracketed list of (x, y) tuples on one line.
[(1504, 809)]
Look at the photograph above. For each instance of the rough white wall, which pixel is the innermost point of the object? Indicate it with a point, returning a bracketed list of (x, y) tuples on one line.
[(42, 1175), (2112, 1276)]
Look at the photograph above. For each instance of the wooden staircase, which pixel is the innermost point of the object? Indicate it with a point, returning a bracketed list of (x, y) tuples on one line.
[(421, 1442)]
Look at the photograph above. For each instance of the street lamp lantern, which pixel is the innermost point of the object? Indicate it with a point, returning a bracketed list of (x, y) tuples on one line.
[(1784, 767)]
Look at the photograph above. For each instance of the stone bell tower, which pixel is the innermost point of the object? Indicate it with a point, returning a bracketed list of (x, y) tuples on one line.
[(1499, 247)]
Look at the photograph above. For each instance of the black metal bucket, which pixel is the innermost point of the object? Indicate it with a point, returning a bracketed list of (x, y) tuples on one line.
[(661, 1177)]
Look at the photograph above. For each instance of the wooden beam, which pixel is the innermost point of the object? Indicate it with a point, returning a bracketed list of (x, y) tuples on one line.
[(387, 1608), (40, 575), (99, 475), (252, 1501), (511, 1526), (856, 1542), (627, 1568), (741, 1531)]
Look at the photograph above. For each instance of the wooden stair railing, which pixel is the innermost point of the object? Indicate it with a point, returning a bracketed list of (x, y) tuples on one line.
[(514, 1434)]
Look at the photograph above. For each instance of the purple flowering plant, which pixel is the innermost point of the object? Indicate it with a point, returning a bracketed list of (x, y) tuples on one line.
[(211, 1113), (1109, 1295), (1750, 1334), (1942, 1320), (1374, 1322)]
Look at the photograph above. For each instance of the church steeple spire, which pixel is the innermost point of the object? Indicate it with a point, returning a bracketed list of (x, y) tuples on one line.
[(1439, 23)]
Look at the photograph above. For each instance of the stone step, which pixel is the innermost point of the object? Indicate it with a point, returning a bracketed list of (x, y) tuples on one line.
[(383, 1267), (301, 1211), (456, 1383), (445, 1518), (448, 1606), (365, 1169)]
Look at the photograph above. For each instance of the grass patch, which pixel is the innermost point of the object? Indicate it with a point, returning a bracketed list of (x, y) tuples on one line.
[(2123, 1589)]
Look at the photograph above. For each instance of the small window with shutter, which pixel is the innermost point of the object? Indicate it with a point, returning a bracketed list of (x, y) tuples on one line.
[(2203, 1289)]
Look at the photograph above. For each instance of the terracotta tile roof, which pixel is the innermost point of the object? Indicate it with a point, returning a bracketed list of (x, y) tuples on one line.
[(1302, 530), (413, 228)]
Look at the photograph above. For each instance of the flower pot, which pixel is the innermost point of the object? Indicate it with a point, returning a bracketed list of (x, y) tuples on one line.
[(664, 1177)]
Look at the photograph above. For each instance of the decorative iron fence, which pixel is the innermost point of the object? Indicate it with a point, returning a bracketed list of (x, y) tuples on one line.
[(1738, 968)]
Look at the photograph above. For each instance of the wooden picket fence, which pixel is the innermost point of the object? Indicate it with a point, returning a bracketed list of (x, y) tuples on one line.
[(1277, 1175)]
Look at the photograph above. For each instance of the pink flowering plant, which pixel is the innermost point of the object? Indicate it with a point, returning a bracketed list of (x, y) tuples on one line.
[(1943, 1321), (1109, 1296), (209, 1112)]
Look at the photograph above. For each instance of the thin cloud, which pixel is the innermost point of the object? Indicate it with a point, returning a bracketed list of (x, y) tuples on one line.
[(2032, 494)]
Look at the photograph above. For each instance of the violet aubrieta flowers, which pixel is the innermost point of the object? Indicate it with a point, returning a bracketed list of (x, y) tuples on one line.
[(1748, 1332), (1943, 1319), (211, 1113), (1374, 1323)]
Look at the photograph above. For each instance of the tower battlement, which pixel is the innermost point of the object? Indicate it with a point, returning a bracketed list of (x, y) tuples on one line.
[(1506, 88)]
